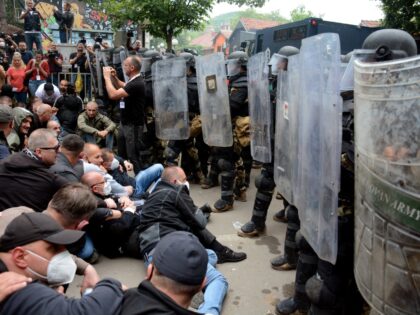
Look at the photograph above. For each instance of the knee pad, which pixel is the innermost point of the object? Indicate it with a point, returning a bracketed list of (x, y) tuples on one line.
[(292, 215), (225, 165), (170, 154), (264, 183)]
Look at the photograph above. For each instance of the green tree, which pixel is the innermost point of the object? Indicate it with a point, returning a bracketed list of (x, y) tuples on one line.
[(164, 18), (402, 14), (300, 13)]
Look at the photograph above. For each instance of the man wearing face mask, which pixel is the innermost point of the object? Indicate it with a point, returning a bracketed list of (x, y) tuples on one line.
[(33, 245), (118, 168)]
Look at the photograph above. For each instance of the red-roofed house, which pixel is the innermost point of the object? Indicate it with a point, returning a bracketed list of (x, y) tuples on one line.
[(245, 31), (206, 41), (368, 23), (220, 41)]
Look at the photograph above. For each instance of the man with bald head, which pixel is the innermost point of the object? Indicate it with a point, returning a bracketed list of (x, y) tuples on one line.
[(92, 157), (131, 103), (94, 127), (41, 117), (24, 176)]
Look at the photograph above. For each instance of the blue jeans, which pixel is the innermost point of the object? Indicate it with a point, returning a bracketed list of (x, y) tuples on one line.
[(33, 86), (146, 177), (20, 96), (109, 139), (87, 249), (65, 36), (215, 289), (31, 38)]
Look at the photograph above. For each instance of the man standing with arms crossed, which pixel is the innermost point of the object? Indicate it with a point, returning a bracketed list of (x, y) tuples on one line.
[(131, 104)]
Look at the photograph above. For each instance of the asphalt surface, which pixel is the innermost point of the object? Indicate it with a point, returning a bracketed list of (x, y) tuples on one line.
[(254, 288)]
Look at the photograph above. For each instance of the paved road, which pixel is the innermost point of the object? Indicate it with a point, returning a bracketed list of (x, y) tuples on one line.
[(254, 288)]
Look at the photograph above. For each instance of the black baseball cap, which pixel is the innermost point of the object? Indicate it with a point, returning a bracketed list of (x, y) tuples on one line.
[(35, 226), (181, 257)]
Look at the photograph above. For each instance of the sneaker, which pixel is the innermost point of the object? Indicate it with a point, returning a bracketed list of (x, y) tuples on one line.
[(93, 259), (222, 205), (280, 216), (280, 263), (228, 255), (249, 229)]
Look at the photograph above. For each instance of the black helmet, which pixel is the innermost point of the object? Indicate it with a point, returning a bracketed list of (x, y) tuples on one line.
[(390, 44), (150, 57), (235, 61)]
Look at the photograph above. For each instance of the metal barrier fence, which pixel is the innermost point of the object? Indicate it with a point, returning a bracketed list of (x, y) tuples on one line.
[(87, 92)]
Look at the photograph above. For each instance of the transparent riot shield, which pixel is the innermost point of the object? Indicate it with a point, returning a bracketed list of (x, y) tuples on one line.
[(319, 144), (347, 80), (277, 63), (123, 56), (260, 108), (214, 100), (285, 152), (387, 184), (170, 99)]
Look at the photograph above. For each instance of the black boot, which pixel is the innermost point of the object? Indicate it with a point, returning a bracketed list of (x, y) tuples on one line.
[(226, 201)]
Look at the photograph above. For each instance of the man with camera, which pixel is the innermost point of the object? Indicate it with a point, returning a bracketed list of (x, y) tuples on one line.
[(55, 63), (32, 26), (7, 48), (65, 21)]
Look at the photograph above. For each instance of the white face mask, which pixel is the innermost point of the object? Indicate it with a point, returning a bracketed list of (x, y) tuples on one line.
[(107, 189), (2, 45), (186, 183), (61, 268), (114, 164)]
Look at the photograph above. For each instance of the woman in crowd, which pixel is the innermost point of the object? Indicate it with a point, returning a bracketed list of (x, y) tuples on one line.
[(16, 77)]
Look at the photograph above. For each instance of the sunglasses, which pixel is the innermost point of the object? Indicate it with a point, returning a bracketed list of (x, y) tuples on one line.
[(55, 148)]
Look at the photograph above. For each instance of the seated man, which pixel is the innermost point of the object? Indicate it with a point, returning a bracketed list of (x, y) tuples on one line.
[(170, 208), (176, 273), (95, 127), (92, 161), (33, 245), (24, 177), (68, 163), (118, 168), (48, 93), (112, 232), (6, 127), (23, 119), (41, 117)]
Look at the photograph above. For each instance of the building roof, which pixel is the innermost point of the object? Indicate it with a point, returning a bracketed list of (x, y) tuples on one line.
[(205, 40), (251, 24), (368, 23)]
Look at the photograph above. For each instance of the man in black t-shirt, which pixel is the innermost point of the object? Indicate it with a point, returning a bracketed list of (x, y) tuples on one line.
[(131, 104)]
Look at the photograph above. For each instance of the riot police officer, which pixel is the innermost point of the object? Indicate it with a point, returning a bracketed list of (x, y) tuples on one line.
[(176, 147), (265, 181), (236, 161)]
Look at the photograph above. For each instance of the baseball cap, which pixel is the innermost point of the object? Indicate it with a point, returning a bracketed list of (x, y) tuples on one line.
[(31, 227), (181, 257), (48, 87), (6, 114)]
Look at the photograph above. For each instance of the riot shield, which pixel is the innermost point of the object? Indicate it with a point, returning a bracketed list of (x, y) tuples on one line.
[(170, 99), (387, 184), (347, 80), (319, 144), (260, 108), (285, 153), (123, 56), (214, 100)]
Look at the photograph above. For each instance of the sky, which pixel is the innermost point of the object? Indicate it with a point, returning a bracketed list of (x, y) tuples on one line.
[(344, 11)]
